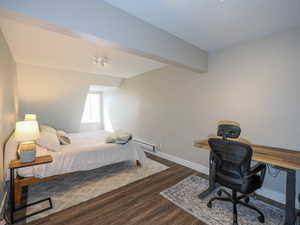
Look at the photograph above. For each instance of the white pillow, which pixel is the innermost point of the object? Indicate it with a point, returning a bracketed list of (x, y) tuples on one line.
[(45, 128), (49, 141), (61, 133), (63, 137)]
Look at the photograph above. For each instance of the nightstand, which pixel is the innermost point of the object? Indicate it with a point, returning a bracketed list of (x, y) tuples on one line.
[(16, 164)]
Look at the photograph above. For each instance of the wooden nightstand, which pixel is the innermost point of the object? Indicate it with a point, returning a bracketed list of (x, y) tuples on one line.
[(16, 164)]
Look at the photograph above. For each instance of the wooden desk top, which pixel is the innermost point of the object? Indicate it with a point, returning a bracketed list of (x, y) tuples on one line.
[(275, 156), (38, 161)]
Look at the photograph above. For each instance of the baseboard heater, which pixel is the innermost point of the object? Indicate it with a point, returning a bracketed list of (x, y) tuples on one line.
[(144, 145)]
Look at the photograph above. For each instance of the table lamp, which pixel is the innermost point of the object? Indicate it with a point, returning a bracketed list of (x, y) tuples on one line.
[(27, 132), (30, 117)]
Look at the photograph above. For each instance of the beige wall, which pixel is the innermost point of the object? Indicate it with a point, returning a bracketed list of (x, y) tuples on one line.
[(56, 96), (8, 99), (256, 84)]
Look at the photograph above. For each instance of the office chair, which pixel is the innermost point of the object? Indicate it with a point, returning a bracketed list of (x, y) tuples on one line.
[(231, 168)]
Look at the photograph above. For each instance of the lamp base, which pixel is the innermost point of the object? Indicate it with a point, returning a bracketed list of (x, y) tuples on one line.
[(27, 152)]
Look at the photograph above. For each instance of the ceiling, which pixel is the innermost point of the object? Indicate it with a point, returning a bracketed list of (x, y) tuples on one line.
[(35, 46), (216, 24)]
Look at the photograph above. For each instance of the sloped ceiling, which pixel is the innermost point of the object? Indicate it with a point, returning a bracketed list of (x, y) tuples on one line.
[(215, 24), (35, 46)]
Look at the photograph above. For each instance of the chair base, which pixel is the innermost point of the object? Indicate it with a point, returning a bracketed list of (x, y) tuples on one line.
[(236, 200)]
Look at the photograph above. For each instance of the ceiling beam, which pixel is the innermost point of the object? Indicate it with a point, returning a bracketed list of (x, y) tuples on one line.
[(97, 21)]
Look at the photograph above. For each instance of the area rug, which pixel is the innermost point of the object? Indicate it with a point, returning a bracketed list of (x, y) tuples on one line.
[(185, 195), (79, 187)]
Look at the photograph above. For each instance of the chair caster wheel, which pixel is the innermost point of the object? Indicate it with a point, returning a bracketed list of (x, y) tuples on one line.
[(219, 193), (247, 199), (234, 223), (209, 205), (261, 219)]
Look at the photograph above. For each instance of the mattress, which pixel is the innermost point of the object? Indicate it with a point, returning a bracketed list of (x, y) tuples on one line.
[(87, 151)]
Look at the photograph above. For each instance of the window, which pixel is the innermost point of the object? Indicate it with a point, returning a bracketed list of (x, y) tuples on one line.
[(92, 109)]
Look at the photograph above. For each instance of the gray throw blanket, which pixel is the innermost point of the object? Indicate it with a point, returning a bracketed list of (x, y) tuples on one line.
[(119, 137)]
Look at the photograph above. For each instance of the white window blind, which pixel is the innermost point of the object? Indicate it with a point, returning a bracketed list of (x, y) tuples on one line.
[(92, 109)]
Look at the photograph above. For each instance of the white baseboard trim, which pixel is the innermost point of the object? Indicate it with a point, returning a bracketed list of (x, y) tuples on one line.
[(186, 163), (268, 193), (271, 194)]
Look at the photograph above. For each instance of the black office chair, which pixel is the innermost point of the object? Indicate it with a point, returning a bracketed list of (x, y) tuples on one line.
[(231, 168)]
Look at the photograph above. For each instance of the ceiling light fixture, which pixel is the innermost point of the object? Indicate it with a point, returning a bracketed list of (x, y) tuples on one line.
[(101, 61)]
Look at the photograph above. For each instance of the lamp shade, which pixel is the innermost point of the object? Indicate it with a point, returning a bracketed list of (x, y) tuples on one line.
[(30, 117), (27, 131)]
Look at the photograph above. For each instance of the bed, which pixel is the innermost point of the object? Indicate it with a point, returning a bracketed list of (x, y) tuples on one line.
[(87, 151)]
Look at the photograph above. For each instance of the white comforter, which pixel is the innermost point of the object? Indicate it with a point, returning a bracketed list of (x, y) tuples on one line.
[(87, 151)]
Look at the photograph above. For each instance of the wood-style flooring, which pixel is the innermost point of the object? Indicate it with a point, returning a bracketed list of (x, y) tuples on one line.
[(138, 203)]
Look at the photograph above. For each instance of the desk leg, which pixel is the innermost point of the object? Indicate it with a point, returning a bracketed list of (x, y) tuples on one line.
[(290, 210), (208, 191), (212, 186), (12, 195)]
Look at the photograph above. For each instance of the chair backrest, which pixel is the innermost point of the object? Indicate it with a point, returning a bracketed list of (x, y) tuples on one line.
[(231, 160)]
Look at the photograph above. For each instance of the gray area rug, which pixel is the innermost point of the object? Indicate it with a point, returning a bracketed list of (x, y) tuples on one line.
[(185, 195), (79, 187)]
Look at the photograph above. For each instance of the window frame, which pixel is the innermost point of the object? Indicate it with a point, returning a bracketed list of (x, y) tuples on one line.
[(100, 93)]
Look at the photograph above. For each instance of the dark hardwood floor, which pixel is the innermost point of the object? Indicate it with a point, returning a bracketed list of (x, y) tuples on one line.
[(138, 203)]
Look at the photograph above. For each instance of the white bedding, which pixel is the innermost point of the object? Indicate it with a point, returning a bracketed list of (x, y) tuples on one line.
[(87, 151)]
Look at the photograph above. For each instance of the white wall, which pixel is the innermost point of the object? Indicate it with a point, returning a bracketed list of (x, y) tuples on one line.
[(256, 84), (56, 96), (8, 99)]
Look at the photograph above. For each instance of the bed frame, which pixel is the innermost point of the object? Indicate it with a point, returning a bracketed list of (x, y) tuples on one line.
[(21, 182)]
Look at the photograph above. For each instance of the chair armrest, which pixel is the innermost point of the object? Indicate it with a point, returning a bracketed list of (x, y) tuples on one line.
[(258, 168)]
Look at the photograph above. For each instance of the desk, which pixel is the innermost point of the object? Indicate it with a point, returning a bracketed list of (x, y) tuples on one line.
[(283, 159)]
